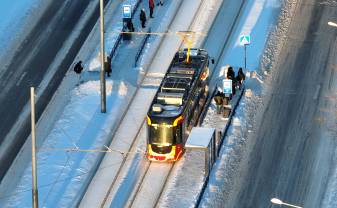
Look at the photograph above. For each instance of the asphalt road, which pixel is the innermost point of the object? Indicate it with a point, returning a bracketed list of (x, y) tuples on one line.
[(32, 60), (296, 137)]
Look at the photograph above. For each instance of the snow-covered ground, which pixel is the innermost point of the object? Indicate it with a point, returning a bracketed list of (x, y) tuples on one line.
[(259, 19), (17, 18), (79, 125)]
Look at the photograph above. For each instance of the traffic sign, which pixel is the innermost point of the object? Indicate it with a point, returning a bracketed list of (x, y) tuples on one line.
[(126, 11), (244, 39), (227, 86)]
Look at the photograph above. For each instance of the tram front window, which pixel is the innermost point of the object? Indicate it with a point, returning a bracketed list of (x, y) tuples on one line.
[(162, 135)]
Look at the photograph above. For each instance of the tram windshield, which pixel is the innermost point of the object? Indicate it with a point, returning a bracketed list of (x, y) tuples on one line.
[(162, 135)]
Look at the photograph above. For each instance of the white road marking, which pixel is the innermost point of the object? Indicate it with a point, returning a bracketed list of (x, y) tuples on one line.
[(317, 91), (21, 78)]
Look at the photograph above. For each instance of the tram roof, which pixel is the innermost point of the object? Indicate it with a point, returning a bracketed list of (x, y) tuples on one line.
[(176, 85)]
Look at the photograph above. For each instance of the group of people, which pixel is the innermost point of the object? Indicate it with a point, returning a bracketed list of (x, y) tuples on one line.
[(128, 24), (237, 81), (142, 15), (78, 68)]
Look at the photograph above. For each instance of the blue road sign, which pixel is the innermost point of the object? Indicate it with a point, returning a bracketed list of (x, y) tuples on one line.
[(126, 11), (227, 86), (244, 39)]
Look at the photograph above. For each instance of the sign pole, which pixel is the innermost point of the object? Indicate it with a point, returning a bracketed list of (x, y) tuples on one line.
[(34, 177), (244, 41), (245, 57)]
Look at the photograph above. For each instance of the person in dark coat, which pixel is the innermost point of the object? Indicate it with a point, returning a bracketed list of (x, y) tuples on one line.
[(142, 17), (231, 75), (151, 6), (240, 78), (107, 65), (78, 67), (129, 24)]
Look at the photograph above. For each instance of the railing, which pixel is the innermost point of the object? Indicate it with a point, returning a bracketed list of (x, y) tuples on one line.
[(140, 50), (114, 48), (207, 104), (197, 203)]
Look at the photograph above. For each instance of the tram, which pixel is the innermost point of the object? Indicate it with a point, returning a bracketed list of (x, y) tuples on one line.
[(177, 105)]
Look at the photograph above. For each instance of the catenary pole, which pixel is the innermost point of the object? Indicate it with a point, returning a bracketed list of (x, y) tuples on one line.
[(34, 177), (102, 74)]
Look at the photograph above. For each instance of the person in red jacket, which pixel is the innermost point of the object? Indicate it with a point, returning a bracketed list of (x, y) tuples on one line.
[(151, 6)]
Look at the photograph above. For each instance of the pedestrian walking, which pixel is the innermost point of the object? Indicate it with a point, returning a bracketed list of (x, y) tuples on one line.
[(231, 76), (107, 65), (218, 98), (151, 6), (78, 67), (240, 77), (142, 17), (129, 25)]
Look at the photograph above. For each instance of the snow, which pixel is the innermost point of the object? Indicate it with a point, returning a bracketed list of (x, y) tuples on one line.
[(185, 181), (199, 137), (79, 125), (257, 20), (17, 18), (64, 171)]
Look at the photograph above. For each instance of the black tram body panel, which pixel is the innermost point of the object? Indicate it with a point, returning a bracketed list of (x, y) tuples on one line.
[(177, 105)]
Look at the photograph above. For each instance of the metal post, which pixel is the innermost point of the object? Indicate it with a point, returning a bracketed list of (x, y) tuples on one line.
[(102, 74), (34, 177), (245, 57)]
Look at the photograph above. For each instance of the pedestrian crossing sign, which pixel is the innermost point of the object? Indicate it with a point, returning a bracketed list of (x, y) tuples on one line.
[(244, 39), (126, 11)]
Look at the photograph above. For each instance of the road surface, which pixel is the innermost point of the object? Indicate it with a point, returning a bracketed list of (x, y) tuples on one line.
[(296, 137), (30, 65)]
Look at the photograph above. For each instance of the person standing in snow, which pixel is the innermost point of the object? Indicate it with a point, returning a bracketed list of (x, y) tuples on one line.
[(219, 98), (107, 65), (151, 6), (78, 67), (240, 78), (231, 76), (142, 17)]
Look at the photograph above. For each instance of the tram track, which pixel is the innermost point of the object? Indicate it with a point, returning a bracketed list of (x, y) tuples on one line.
[(147, 165), (212, 86), (121, 167), (143, 80), (125, 159)]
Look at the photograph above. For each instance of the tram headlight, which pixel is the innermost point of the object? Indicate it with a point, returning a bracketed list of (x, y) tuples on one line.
[(148, 120), (172, 153)]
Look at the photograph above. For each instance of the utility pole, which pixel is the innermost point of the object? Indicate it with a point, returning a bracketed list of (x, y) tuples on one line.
[(102, 75), (34, 177)]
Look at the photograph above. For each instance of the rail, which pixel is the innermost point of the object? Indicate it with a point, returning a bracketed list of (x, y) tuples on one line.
[(140, 50)]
